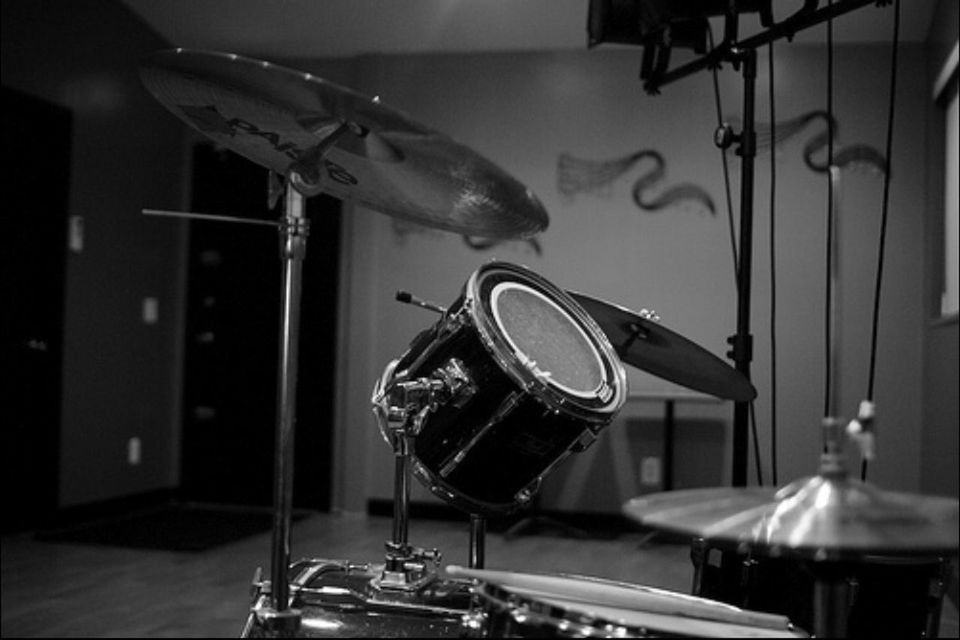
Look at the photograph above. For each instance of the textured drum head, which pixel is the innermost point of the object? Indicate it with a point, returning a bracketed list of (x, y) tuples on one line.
[(546, 338), (545, 341)]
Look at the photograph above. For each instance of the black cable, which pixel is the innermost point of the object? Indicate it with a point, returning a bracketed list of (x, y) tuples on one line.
[(828, 306), (726, 168), (773, 273), (756, 445), (884, 213)]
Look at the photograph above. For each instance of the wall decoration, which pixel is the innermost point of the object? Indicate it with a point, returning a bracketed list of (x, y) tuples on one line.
[(485, 244), (576, 175), (403, 228), (854, 156)]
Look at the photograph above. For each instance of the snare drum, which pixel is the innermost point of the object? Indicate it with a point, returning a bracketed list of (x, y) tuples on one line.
[(523, 605), (338, 599), (541, 381)]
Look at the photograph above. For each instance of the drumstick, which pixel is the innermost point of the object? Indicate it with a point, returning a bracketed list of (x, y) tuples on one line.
[(620, 594)]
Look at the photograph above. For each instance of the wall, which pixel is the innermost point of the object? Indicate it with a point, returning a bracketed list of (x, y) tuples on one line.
[(941, 348), (120, 376), (522, 111)]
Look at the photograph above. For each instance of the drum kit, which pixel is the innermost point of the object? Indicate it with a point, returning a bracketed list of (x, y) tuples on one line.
[(516, 375)]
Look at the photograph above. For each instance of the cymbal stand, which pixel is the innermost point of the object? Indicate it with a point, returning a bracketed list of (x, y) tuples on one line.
[(478, 534), (293, 229)]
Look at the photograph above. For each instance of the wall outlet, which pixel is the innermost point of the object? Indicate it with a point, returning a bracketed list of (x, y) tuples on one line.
[(650, 471), (151, 310), (133, 451)]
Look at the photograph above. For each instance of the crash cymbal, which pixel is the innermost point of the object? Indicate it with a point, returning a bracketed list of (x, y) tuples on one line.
[(655, 349), (822, 517), (286, 120)]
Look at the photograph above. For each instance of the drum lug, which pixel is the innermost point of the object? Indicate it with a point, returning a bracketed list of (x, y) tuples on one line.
[(526, 494), (474, 624), (586, 440), (457, 382), (408, 568)]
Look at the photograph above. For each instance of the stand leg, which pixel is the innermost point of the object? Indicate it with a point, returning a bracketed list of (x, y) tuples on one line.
[(478, 535), (742, 341), (293, 249), (401, 505), (830, 607)]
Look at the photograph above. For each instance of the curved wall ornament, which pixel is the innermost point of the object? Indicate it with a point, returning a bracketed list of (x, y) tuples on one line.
[(854, 156), (576, 175)]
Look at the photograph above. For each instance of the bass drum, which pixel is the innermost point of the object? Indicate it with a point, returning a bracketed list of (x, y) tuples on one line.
[(338, 599), (526, 605), (539, 379), (886, 596)]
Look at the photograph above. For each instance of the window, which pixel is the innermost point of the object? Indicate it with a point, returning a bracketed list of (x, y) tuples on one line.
[(945, 94)]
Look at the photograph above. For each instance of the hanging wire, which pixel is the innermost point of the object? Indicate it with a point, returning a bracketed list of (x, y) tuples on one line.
[(756, 445), (884, 213), (773, 273), (828, 306), (726, 166)]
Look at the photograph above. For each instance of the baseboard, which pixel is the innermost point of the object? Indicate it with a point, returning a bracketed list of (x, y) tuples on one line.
[(66, 516)]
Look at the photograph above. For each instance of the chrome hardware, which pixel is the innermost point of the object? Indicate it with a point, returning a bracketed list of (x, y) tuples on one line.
[(649, 314)]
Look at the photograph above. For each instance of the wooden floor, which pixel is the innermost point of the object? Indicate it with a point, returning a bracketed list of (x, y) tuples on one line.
[(96, 591)]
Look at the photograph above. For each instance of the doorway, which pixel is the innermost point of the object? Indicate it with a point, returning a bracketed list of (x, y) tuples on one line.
[(231, 346), (36, 180)]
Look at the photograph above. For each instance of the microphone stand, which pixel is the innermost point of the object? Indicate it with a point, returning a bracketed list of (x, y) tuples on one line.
[(743, 56)]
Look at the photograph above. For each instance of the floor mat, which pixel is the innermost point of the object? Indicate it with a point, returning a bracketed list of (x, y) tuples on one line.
[(170, 527)]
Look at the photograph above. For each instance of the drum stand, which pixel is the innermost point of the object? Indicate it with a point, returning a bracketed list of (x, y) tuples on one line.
[(400, 408)]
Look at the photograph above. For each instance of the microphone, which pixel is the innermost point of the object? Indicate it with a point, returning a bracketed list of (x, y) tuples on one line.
[(408, 298)]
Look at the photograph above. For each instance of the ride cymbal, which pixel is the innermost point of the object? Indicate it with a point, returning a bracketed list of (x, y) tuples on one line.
[(822, 517), (655, 349), (330, 139)]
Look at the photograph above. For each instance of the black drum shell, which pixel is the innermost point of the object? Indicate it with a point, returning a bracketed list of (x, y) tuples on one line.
[(509, 454), (486, 452), (887, 596)]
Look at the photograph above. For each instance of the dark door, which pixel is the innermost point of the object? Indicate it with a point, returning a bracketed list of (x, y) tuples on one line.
[(233, 312), (36, 176)]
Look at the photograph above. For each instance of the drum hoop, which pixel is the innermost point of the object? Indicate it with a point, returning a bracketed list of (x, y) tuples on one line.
[(546, 614), (498, 347), (443, 490)]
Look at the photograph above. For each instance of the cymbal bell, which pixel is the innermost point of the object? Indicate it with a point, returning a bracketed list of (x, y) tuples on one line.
[(655, 349), (822, 517), (327, 138)]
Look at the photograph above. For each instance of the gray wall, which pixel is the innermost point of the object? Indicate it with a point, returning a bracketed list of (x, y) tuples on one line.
[(522, 111), (120, 376)]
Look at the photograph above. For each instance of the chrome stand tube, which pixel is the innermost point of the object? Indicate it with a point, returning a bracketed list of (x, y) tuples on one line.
[(478, 535), (401, 496), (293, 241)]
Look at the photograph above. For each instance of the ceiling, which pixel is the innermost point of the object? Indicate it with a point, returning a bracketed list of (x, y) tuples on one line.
[(343, 28)]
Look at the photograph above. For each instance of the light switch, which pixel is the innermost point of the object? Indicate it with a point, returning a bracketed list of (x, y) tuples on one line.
[(151, 310), (75, 240)]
